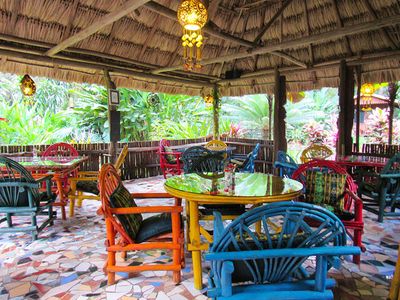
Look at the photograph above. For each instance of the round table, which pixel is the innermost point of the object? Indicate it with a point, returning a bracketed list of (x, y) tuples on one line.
[(250, 188)]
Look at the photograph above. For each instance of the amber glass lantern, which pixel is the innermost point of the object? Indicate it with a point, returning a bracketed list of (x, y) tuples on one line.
[(192, 15), (27, 85), (367, 89)]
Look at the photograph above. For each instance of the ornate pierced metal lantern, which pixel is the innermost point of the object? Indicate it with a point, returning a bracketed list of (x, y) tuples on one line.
[(367, 89), (28, 86), (192, 15)]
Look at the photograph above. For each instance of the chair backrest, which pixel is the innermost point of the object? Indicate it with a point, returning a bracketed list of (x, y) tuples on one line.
[(393, 165), (121, 158), (249, 163), (60, 149), (328, 167), (282, 156), (390, 176), (15, 181), (216, 145), (283, 225), (198, 159), (315, 151), (109, 180)]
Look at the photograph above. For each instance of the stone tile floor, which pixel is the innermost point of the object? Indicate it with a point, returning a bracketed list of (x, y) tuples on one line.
[(66, 262)]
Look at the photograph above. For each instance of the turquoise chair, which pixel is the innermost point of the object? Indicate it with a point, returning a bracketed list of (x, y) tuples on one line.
[(271, 263), (246, 163), (285, 164), (20, 196)]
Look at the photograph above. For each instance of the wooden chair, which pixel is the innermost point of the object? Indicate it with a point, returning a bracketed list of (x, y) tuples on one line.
[(285, 164), (311, 175), (128, 231), (315, 151), (246, 163), (170, 162), (20, 195), (271, 263), (60, 150), (87, 181), (380, 191), (216, 145)]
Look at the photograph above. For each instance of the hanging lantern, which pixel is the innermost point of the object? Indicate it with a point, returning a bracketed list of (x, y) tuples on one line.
[(367, 89), (192, 15), (28, 86), (208, 99)]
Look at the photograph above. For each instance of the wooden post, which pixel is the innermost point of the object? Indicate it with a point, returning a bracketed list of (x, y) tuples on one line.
[(392, 88), (346, 109), (216, 107), (358, 71), (280, 142), (114, 118), (269, 98)]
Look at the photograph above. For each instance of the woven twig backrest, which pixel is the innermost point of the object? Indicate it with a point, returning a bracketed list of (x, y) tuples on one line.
[(60, 149), (328, 167), (393, 165), (201, 160), (283, 225), (121, 158), (392, 168), (12, 178), (282, 156), (249, 164), (315, 151), (108, 182)]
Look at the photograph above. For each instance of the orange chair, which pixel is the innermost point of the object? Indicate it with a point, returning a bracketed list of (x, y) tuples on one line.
[(315, 151), (170, 162), (124, 220)]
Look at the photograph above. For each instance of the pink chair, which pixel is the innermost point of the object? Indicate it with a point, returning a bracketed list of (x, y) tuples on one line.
[(170, 162)]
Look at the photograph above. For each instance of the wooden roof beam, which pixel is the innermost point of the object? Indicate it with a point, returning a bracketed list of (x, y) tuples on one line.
[(340, 25), (15, 9), (310, 50), (300, 42), (213, 8), (109, 18), (209, 28), (271, 21)]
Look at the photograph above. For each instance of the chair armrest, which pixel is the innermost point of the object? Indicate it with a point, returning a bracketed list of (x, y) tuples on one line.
[(358, 205), (146, 209), (151, 195), (88, 173), (239, 156), (176, 154), (76, 179), (41, 178)]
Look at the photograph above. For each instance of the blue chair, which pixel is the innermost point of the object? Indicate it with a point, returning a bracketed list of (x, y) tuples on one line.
[(20, 195), (382, 191), (245, 163), (270, 264), (285, 164)]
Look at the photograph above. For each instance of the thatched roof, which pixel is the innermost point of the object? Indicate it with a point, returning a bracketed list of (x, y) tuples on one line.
[(139, 42)]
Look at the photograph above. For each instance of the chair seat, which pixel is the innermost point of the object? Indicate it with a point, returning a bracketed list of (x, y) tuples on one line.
[(154, 226), (88, 187), (224, 209)]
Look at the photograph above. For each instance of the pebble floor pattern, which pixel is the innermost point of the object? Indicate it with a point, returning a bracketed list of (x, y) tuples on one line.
[(66, 262)]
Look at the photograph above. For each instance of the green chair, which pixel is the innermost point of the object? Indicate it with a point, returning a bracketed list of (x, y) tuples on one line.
[(380, 193), (20, 195)]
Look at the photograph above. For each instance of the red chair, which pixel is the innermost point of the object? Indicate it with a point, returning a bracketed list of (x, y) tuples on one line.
[(170, 162), (352, 217), (61, 182)]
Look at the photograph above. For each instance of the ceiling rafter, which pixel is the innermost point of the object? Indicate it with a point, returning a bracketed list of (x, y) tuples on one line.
[(73, 10), (339, 23), (15, 10), (150, 36), (271, 21), (383, 30), (109, 18), (213, 8), (310, 49), (301, 42)]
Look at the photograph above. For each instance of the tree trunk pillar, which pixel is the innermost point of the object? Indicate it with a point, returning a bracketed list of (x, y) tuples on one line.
[(216, 107), (358, 71), (280, 142), (392, 88), (346, 110)]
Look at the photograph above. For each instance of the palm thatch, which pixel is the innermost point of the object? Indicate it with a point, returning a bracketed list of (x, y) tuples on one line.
[(138, 42)]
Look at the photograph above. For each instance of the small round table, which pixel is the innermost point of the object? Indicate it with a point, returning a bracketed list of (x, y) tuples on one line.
[(250, 188)]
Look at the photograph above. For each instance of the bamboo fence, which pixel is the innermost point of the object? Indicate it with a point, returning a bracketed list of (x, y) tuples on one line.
[(143, 160)]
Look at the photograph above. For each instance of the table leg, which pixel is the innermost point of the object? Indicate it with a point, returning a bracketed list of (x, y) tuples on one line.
[(194, 233), (62, 196)]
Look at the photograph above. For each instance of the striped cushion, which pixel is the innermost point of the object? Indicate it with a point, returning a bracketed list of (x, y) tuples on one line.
[(326, 189), (88, 187), (122, 198)]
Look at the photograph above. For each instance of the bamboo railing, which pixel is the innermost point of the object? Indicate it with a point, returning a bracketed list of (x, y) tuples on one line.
[(142, 160), (383, 150)]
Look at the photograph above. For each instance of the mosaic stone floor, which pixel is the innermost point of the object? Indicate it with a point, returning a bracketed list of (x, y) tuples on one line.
[(67, 260)]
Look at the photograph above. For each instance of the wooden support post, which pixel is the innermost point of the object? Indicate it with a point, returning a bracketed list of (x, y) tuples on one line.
[(216, 107), (392, 88), (269, 98), (114, 119), (346, 109), (280, 142), (358, 71)]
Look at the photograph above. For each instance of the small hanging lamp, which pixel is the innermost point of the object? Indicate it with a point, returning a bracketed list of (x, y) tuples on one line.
[(192, 15), (27, 85), (367, 89)]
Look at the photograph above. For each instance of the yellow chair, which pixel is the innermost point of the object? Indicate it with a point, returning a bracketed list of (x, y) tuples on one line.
[(216, 145), (86, 181), (394, 293), (315, 151)]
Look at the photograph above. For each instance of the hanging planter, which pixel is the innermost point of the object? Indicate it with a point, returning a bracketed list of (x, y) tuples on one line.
[(27, 86), (153, 100)]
